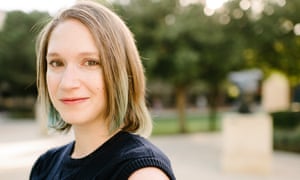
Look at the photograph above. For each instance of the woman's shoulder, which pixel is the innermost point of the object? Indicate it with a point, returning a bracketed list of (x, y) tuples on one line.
[(138, 152), (136, 146), (47, 160), (55, 152)]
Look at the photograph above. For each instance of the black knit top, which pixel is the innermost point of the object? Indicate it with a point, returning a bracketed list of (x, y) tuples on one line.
[(116, 159)]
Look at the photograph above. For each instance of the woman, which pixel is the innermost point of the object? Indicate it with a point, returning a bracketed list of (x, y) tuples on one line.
[(90, 78)]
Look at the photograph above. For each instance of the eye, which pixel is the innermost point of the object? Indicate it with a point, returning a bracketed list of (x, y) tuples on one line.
[(91, 62), (56, 63)]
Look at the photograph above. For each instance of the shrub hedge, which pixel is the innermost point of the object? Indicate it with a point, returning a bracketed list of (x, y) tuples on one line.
[(286, 127), (286, 120), (287, 140)]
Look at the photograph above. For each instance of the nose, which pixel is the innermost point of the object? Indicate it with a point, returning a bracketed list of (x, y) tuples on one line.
[(70, 78)]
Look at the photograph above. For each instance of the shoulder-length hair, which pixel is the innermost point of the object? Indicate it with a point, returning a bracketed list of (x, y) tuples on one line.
[(122, 68)]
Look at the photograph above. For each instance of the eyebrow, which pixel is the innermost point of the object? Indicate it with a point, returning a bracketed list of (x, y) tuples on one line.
[(48, 55), (81, 54)]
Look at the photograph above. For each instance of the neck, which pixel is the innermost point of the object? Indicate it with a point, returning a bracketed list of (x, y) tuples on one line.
[(88, 139)]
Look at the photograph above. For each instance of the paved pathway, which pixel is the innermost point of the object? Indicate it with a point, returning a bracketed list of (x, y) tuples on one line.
[(195, 156)]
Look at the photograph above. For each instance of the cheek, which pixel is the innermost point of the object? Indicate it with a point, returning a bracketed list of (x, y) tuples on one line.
[(96, 80), (52, 83), (100, 88), (103, 87)]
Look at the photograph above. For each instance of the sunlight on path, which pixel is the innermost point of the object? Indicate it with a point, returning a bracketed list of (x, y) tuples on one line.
[(23, 154)]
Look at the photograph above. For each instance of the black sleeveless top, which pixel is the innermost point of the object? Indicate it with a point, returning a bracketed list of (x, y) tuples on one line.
[(116, 159)]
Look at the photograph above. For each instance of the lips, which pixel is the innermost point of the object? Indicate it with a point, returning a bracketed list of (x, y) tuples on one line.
[(73, 100)]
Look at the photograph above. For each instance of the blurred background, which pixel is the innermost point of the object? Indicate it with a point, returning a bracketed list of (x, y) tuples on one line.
[(205, 60)]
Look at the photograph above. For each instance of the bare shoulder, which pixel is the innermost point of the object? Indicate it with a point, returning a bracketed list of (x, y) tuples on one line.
[(149, 173)]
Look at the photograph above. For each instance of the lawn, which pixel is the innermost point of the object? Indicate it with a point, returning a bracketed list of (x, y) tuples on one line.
[(168, 123)]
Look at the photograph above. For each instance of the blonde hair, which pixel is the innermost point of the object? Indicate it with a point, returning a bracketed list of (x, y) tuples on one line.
[(122, 68)]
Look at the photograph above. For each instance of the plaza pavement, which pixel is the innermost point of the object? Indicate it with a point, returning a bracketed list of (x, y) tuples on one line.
[(193, 156)]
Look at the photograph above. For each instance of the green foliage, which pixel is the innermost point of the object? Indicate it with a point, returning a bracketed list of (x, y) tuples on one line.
[(286, 127), (17, 56), (287, 140), (286, 120), (271, 41), (182, 46), (22, 113)]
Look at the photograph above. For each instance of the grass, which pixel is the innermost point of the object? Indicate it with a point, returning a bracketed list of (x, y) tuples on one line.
[(167, 123), (21, 114)]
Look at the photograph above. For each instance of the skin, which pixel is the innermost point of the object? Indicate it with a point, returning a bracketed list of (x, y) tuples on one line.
[(77, 90), (148, 173), (76, 86)]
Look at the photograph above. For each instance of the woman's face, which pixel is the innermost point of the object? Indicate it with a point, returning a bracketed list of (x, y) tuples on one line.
[(74, 75)]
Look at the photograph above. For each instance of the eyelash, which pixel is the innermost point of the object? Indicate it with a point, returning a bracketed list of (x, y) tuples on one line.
[(58, 63), (91, 63)]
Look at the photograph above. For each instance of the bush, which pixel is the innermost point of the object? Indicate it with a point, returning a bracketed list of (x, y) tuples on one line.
[(286, 120), (287, 140), (21, 113), (286, 127)]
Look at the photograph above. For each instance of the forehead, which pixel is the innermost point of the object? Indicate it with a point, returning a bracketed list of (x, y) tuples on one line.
[(71, 35)]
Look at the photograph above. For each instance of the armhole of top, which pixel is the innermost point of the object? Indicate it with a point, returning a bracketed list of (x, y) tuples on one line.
[(129, 168)]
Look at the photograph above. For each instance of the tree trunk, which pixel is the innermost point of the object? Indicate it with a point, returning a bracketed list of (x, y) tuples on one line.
[(213, 97), (181, 108)]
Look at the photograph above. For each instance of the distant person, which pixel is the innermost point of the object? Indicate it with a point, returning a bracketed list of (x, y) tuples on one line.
[(90, 77)]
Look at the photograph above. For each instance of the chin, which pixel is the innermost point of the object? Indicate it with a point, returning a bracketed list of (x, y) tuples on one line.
[(73, 119)]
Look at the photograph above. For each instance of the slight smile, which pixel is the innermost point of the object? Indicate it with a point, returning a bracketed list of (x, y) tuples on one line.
[(73, 100)]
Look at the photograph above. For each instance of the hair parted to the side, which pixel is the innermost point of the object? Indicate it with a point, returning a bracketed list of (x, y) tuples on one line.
[(122, 68)]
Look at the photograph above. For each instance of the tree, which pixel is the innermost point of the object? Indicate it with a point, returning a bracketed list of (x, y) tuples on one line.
[(183, 46), (17, 56), (274, 43), (280, 49), (162, 39), (17, 61)]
